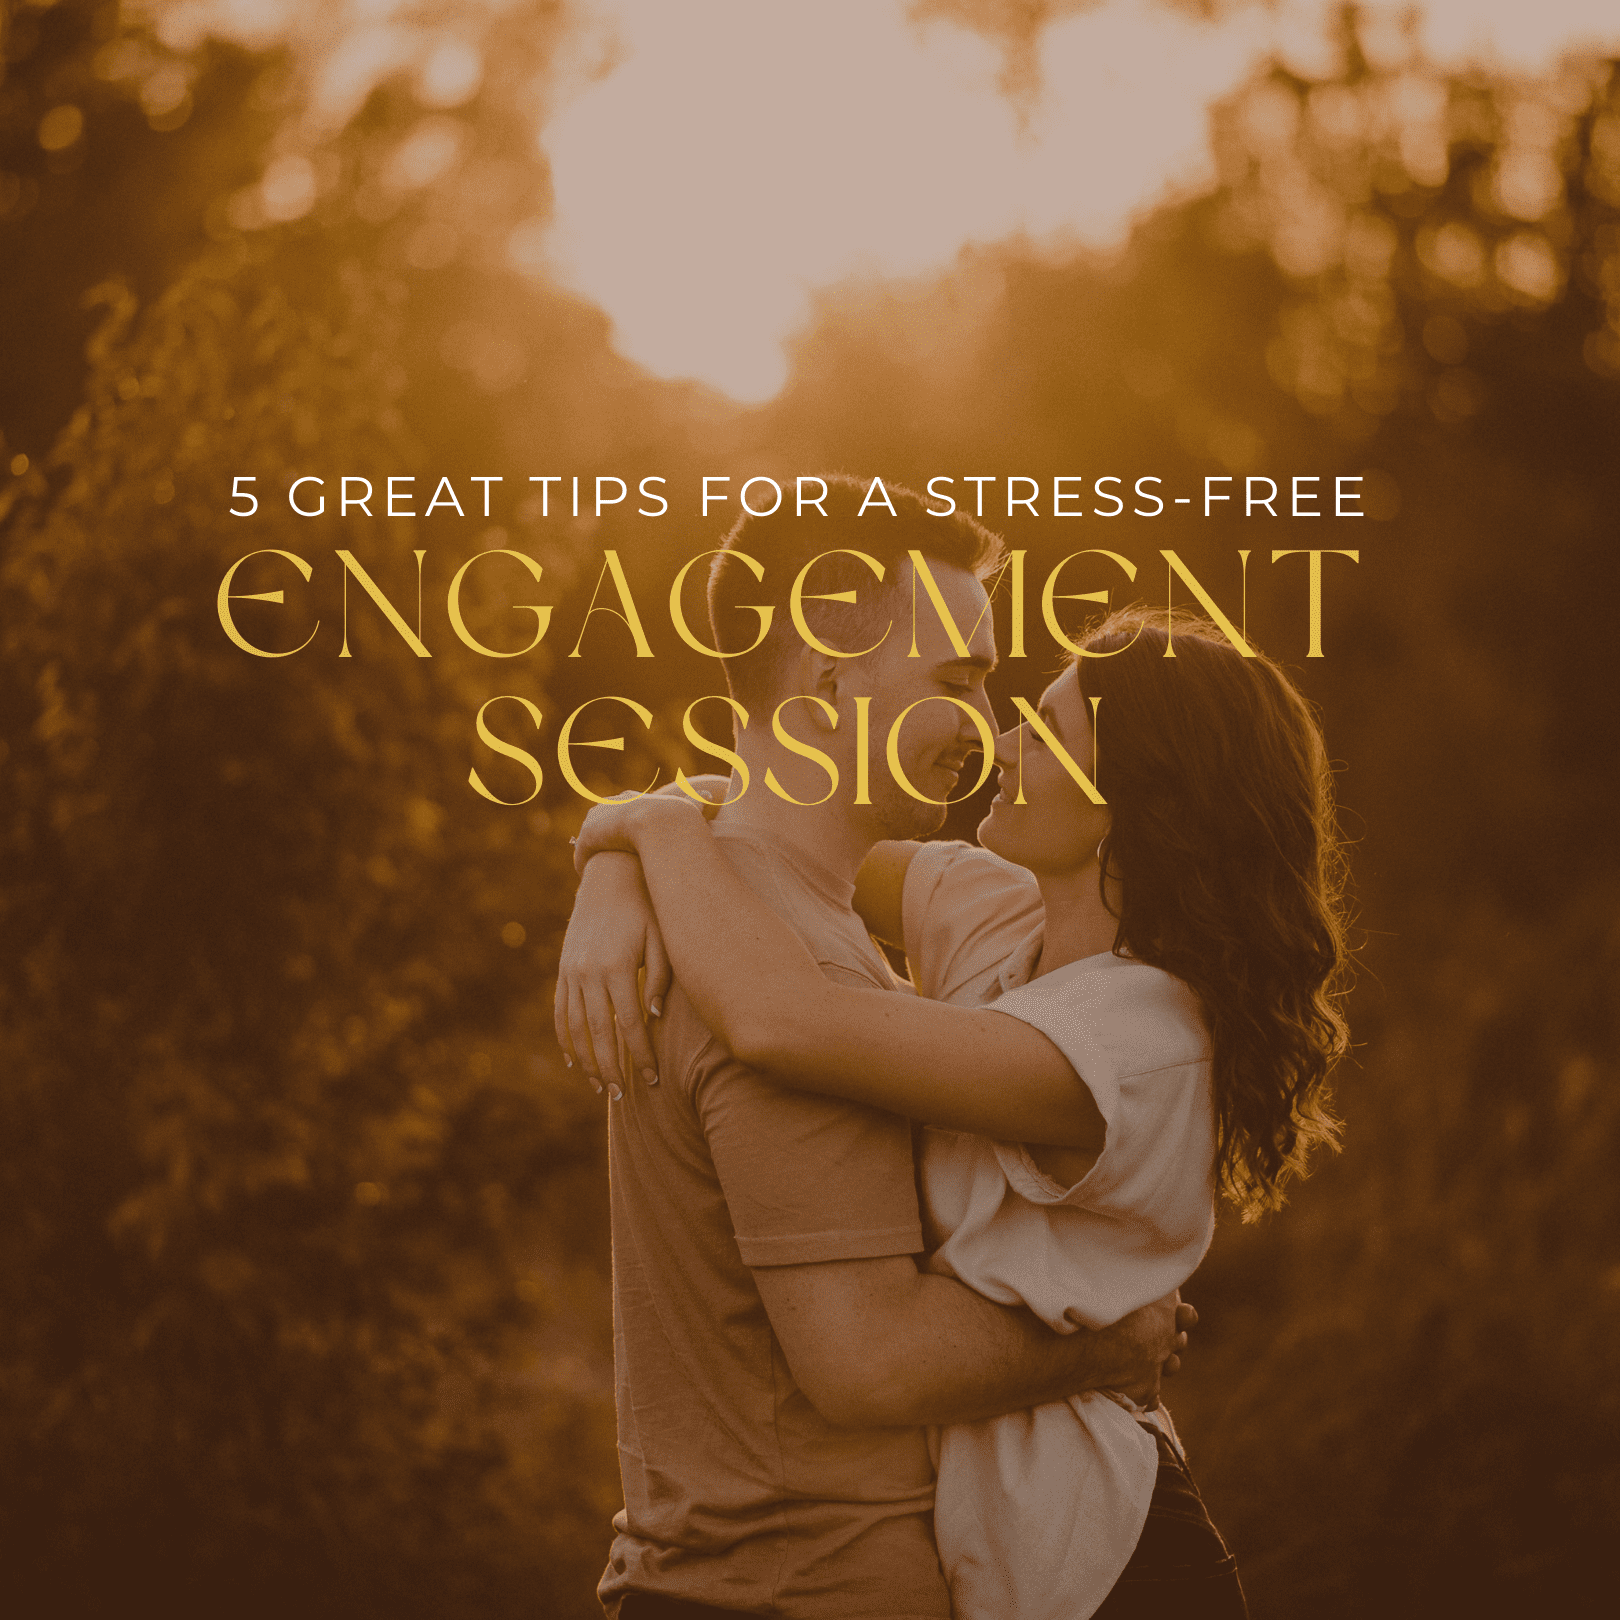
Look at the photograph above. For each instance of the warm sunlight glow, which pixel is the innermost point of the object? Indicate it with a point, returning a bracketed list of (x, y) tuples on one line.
[(738, 154), (745, 153)]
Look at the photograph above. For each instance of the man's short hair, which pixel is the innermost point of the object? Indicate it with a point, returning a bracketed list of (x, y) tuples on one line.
[(783, 543)]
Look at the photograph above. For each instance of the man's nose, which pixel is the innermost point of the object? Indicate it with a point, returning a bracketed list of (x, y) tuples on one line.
[(981, 705)]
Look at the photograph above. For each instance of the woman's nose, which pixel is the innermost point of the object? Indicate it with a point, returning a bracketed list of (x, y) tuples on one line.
[(1007, 747)]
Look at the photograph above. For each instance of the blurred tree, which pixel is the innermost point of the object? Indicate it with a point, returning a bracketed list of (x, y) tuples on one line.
[(101, 172), (267, 1125), (1452, 252), (304, 1255)]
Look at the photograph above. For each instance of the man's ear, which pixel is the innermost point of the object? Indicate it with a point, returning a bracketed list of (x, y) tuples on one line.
[(822, 677)]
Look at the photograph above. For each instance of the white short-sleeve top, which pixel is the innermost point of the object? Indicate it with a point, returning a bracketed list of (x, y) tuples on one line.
[(1038, 1512)]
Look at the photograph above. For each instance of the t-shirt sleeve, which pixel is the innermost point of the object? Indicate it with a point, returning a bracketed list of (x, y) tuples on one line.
[(806, 1178), (1135, 1037), (964, 912)]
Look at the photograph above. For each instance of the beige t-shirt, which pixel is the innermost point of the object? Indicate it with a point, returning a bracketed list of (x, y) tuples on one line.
[(737, 1492), (1037, 1512)]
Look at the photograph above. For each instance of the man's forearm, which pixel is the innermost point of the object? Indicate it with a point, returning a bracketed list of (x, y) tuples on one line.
[(957, 1357), (877, 1343)]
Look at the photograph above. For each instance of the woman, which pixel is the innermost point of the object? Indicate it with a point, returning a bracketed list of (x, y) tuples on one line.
[(1176, 949)]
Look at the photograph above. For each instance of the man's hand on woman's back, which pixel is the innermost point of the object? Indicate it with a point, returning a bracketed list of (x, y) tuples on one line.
[(1148, 1344)]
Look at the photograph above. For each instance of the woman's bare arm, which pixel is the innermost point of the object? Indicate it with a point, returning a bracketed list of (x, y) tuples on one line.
[(756, 986)]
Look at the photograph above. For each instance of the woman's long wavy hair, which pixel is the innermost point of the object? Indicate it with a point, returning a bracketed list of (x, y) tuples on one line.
[(1225, 844)]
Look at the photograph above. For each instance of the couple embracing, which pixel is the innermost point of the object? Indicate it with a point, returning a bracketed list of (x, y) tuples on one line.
[(896, 1265)]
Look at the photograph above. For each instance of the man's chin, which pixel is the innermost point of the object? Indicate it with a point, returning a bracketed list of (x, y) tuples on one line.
[(902, 817)]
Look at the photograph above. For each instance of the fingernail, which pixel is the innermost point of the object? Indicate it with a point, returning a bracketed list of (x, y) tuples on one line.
[(596, 1085), (613, 1090), (568, 1062), (650, 1076), (656, 1006)]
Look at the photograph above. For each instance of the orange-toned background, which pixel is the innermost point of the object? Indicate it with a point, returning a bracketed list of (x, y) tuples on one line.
[(304, 1237)]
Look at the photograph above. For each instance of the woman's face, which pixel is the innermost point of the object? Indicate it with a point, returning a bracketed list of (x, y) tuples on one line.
[(1057, 828)]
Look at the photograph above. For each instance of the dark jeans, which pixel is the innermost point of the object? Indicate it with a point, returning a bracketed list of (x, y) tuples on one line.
[(1181, 1569)]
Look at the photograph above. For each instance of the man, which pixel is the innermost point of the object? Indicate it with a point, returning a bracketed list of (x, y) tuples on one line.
[(778, 1352)]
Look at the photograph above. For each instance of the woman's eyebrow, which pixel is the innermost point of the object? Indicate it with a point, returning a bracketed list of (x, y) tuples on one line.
[(1049, 715)]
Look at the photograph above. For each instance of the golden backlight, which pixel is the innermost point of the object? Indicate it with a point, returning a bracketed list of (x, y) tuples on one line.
[(725, 158)]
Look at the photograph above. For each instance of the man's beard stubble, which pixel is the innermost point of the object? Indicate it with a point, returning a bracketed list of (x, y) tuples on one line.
[(900, 816)]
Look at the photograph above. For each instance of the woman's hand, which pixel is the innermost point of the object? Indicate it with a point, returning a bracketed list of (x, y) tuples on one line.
[(611, 936)]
